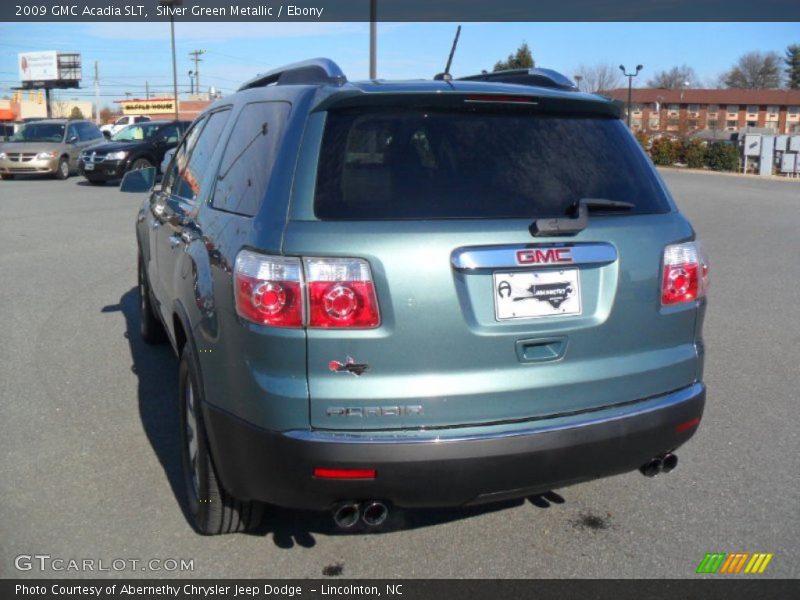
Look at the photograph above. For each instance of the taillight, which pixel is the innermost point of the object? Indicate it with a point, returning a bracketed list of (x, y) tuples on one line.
[(685, 276), (340, 293), (268, 289), (332, 293)]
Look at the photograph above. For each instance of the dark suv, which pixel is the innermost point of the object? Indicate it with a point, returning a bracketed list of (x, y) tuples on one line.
[(432, 293), (138, 146)]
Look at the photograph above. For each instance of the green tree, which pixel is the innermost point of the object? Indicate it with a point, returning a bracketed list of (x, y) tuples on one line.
[(75, 114), (792, 61), (522, 59), (664, 151), (723, 156), (694, 153)]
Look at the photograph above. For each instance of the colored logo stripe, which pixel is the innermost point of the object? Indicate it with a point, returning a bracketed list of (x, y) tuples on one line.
[(720, 562), (711, 563), (758, 563), (735, 562)]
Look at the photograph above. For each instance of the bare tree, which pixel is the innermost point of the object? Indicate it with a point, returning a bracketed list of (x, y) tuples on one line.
[(594, 78), (675, 78), (755, 70)]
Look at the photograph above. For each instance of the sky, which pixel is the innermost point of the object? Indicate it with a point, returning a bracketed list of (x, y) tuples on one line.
[(131, 53)]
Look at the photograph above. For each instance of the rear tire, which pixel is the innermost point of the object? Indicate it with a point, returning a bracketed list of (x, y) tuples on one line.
[(150, 326), (213, 511), (6, 176), (62, 172)]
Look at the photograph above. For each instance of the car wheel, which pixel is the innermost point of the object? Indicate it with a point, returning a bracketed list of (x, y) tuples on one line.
[(140, 163), (62, 172), (212, 509), (6, 176), (150, 326)]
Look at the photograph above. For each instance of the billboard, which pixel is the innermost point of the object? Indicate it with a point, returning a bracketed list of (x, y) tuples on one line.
[(38, 66)]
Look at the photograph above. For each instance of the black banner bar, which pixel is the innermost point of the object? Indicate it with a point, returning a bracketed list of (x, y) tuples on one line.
[(399, 10), (707, 588)]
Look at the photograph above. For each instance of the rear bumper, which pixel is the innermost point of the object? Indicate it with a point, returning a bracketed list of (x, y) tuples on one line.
[(452, 467)]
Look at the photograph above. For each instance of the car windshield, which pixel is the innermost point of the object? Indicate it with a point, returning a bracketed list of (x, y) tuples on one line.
[(137, 132), (40, 132)]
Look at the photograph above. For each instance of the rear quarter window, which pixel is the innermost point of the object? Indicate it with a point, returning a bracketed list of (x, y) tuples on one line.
[(247, 163), (424, 164)]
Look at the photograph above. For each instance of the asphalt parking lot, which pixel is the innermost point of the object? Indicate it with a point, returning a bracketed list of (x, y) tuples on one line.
[(89, 464)]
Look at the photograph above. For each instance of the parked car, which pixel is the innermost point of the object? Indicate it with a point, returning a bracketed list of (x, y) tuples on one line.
[(136, 147), (110, 129), (50, 146), (6, 131), (417, 294)]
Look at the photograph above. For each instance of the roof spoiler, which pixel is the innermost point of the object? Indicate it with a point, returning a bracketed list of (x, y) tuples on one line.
[(316, 71), (534, 77)]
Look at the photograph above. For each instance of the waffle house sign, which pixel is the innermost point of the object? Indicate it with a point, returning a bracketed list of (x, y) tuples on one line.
[(153, 106)]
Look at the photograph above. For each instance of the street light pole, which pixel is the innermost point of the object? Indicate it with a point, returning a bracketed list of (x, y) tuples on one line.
[(630, 77), (173, 4), (373, 39)]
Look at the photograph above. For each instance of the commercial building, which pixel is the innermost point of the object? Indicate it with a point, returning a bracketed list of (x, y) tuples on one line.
[(30, 104), (687, 111), (163, 107)]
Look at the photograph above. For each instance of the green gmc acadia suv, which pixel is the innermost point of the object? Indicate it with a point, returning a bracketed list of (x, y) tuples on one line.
[(417, 294)]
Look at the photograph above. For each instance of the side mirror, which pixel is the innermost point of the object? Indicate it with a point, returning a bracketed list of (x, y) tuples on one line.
[(106, 134), (73, 139), (138, 181)]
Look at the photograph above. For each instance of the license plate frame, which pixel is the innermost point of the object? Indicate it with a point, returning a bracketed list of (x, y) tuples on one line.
[(537, 293), (87, 166)]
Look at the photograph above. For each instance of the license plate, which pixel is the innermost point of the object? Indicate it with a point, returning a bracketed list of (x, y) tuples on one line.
[(532, 294), (88, 166)]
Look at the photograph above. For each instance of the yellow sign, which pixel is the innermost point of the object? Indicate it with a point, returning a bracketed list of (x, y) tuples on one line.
[(148, 107)]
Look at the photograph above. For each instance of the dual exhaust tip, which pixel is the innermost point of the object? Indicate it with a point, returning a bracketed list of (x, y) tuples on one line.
[(373, 513), (659, 464)]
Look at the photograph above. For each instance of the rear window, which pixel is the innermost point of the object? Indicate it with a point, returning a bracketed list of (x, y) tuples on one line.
[(429, 164)]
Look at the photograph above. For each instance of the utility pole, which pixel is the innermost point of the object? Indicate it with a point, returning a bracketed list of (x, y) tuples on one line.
[(373, 39), (147, 90), (96, 93), (195, 54), (630, 77)]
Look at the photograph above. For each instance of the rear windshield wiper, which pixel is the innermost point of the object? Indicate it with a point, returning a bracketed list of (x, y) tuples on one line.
[(576, 224)]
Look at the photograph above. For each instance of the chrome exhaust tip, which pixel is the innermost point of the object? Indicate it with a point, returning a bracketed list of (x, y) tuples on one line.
[(651, 468), (346, 514), (669, 463), (374, 513)]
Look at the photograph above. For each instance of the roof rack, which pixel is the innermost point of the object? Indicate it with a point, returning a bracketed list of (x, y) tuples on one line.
[(316, 71), (534, 77)]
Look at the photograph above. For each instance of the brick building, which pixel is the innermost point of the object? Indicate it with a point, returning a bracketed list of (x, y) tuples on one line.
[(686, 111)]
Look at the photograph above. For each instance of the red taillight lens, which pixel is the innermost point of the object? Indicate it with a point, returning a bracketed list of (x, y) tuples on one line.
[(341, 293), (271, 290), (685, 276), (268, 289)]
